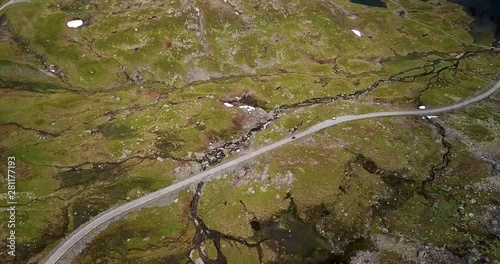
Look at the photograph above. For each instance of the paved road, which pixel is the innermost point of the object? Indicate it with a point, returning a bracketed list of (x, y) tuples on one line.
[(11, 2), (73, 238)]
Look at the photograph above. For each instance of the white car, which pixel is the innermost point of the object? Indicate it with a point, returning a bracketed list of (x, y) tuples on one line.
[(333, 118)]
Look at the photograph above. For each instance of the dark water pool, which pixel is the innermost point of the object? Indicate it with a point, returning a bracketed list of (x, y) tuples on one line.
[(486, 15), (286, 233), (373, 3)]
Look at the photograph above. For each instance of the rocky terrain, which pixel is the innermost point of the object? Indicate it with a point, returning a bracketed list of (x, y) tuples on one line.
[(146, 93)]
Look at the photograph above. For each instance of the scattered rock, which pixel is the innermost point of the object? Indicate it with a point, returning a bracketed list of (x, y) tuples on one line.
[(125, 153), (187, 170), (496, 169), (365, 257), (414, 251), (490, 218)]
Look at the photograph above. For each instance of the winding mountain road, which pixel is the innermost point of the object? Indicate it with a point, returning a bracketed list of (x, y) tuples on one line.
[(11, 2), (104, 217)]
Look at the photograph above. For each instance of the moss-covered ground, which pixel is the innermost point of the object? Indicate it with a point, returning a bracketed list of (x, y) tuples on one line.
[(133, 101)]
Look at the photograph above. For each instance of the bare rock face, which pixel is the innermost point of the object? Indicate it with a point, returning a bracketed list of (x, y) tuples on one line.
[(435, 255), (248, 174), (201, 74), (255, 117), (490, 219), (251, 114), (187, 171), (415, 251), (365, 257), (4, 31)]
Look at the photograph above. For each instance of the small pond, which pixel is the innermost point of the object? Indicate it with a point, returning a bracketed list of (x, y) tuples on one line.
[(372, 3), (486, 23)]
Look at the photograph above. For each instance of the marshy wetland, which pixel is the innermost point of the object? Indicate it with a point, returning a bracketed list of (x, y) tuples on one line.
[(147, 93)]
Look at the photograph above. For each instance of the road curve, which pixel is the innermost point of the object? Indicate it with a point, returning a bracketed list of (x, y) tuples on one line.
[(11, 2), (80, 233)]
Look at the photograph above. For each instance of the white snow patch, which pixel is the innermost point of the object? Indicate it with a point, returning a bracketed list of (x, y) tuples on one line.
[(75, 23), (356, 32), (248, 108), (422, 107), (228, 105)]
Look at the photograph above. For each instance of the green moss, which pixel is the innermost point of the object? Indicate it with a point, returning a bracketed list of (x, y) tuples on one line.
[(484, 112), (74, 178), (149, 235), (478, 132), (117, 131), (85, 210), (281, 55), (493, 249)]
